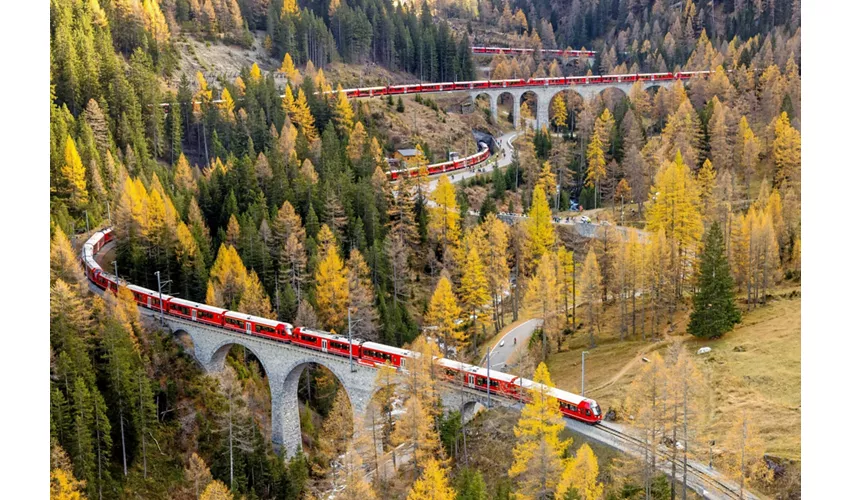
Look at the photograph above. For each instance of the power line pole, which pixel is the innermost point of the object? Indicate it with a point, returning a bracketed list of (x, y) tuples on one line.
[(583, 353), (159, 287), (489, 349)]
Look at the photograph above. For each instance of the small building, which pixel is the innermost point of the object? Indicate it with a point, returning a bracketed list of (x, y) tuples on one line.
[(409, 157)]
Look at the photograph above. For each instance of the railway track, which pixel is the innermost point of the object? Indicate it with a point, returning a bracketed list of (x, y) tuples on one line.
[(721, 487)]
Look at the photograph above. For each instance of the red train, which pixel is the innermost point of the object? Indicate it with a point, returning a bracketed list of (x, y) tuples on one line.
[(517, 51), (446, 166), (418, 88), (364, 352), (505, 384)]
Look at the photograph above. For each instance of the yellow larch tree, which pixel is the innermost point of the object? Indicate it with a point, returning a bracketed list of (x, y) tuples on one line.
[(495, 258), (743, 451), (565, 273), (580, 475), (227, 106), (232, 235), (239, 83), (356, 485), (216, 490), (290, 7), (287, 67), (596, 166), (356, 142), (332, 290), (154, 21), (747, 151), (541, 233), (442, 313), (64, 261), (707, 182), (559, 111), (676, 210), (64, 486), (183, 176), (74, 175), (228, 276), (343, 114), (444, 218), (288, 105), (786, 153), (254, 300), (416, 427), (681, 133), (256, 74), (433, 484), (546, 178), (473, 291), (544, 296), (325, 240), (303, 117), (537, 463), (591, 290)]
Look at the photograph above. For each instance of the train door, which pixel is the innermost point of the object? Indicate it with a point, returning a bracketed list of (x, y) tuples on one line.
[(194, 315), (247, 327), (149, 302), (470, 379), (403, 360), (324, 345)]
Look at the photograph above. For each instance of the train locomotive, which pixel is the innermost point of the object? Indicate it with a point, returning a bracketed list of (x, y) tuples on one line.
[(362, 352)]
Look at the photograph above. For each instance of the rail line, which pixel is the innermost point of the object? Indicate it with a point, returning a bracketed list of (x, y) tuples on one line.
[(724, 488)]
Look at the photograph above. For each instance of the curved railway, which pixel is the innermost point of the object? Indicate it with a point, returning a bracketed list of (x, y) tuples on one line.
[(704, 477), (365, 353), (514, 51)]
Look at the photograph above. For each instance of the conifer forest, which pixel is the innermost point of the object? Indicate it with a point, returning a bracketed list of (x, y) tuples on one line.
[(598, 250)]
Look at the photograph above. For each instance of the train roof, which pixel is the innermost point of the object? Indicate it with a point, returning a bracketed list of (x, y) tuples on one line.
[(196, 305), (248, 317), (386, 348), (146, 291)]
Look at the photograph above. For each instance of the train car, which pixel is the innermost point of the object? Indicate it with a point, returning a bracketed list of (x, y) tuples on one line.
[(272, 329), (374, 354), (476, 377), (149, 298), (194, 311), (323, 341), (577, 407)]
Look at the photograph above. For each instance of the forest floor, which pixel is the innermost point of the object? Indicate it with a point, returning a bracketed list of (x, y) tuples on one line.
[(754, 368)]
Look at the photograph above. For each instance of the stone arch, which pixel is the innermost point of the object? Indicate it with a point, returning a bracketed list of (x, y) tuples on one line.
[(220, 352), (469, 410), (505, 105), (574, 102), (612, 96), (286, 417), (532, 99), (486, 102), (185, 340)]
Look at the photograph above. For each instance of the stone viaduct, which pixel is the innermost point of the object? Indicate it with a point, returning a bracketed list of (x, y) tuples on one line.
[(283, 365), (545, 94)]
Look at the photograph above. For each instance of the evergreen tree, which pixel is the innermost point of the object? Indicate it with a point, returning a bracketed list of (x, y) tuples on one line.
[(715, 312)]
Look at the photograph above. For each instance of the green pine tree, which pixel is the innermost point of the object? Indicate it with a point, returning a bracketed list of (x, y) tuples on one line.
[(715, 312)]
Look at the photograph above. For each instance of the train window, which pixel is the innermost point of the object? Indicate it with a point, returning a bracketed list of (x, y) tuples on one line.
[(263, 329), (480, 381), (204, 314), (587, 412), (308, 338), (235, 322), (339, 346), (494, 383), (451, 373)]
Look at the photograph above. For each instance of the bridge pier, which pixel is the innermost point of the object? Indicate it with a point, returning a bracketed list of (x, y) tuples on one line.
[(516, 99), (283, 365)]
